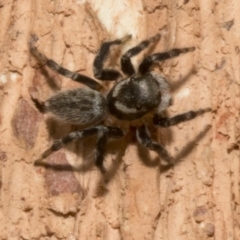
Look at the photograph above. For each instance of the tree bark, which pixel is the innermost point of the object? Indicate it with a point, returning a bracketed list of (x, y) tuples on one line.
[(196, 199)]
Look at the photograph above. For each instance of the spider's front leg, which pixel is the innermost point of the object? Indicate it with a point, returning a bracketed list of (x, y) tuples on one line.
[(59, 69), (147, 62), (167, 122), (102, 132)]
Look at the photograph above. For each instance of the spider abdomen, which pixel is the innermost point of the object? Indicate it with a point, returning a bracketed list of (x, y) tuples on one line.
[(77, 106), (134, 97)]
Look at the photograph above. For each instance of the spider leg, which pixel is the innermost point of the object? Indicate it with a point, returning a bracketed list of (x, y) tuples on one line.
[(100, 150), (126, 64), (167, 122), (106, 74), (59, 69), (144, 138), (103, 135), (157, 57), (73, 136), (102, 132)]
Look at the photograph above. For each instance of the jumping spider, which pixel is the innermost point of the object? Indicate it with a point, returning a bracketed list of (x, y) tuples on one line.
[(140, 95)]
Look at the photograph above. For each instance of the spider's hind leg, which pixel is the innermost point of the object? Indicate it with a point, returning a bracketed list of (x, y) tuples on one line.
[(71, 137), (102, 132), (59, 69)]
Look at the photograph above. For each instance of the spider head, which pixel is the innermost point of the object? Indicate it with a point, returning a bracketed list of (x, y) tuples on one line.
[(134, 97)]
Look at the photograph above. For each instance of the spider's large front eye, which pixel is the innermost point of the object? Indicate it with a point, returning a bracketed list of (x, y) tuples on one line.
[(139, 106)]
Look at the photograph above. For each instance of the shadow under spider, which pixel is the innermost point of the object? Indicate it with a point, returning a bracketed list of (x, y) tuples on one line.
[(179, 83), (186, 150), (112, 147), (143, 153)]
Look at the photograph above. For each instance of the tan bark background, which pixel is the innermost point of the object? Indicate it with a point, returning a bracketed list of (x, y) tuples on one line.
[(197, 199)]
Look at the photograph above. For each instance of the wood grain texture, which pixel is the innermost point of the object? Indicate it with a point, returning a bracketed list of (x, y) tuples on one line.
[(197, 199)]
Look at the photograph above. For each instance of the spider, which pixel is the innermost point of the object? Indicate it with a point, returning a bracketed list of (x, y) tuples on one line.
[(143, 94)]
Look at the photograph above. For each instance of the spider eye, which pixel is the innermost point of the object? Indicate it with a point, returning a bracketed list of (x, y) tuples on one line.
[(139, 106)]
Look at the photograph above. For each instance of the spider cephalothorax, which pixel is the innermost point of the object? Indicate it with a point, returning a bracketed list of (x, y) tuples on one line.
[(139, 94)]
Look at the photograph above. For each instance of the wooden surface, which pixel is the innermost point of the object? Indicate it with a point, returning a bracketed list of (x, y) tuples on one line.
[(197, 199)]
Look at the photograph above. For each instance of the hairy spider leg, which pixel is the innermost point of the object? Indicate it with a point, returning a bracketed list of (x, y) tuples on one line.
[(157, 57), (98, 70), (144, 138), (102, 132), (126, 64), (59, 69), (101, 149), (167, 122)]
